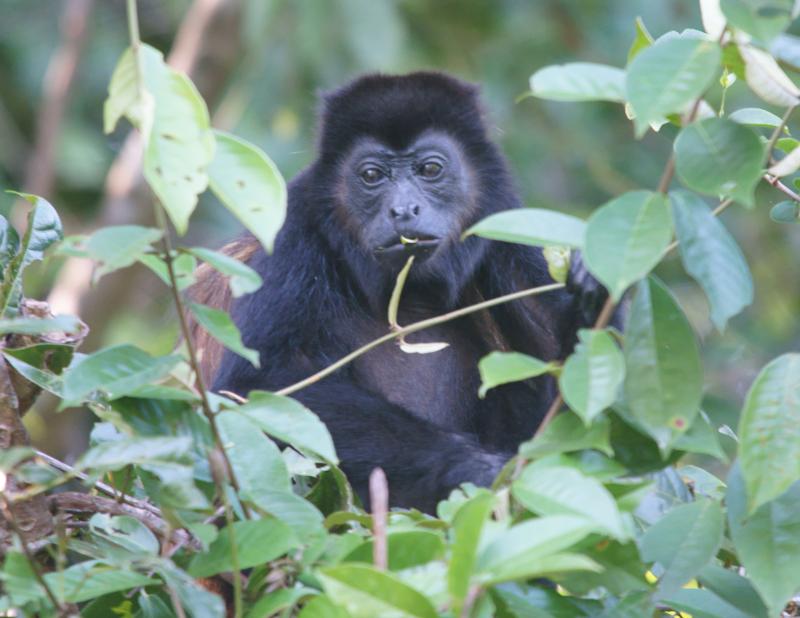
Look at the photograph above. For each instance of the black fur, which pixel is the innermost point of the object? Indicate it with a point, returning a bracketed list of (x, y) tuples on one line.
[(324, 294)]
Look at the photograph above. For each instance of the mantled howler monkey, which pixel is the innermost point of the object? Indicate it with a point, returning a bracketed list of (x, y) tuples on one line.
[(404, 166)]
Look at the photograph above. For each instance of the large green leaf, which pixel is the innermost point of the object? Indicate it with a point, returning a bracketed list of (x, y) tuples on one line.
[(405, 549), (733, 588), (522, 550), (498, 368), (637, 226), (701, 604), (767, 541), (116, 371), (290, 421), (712, 257), (593, 374), (666, 77), (467, 526), (44, 228), (242, 278), (174, 122), (220, 326), (91, 579), (38, 326), (664, 379), (764, 19), (559, 490), (720, 157), (683, 542), (579, 81), (256, 542), (366, 593), (115, 455), (769, 431), (249, 184), (532, 226), (755, 117)]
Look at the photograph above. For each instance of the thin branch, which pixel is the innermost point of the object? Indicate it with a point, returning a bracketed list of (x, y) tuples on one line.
[(773, 139), (9, 517), (379, 504), (776, 182), (413, 328)]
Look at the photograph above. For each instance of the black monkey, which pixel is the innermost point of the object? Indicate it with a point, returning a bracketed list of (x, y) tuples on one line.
[(404, 166)]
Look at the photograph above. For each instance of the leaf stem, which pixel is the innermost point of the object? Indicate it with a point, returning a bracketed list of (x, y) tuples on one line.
[(773, 139), (133, 24), (413, 328)]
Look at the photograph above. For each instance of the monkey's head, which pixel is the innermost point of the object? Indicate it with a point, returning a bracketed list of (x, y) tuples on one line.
[(408, 167)]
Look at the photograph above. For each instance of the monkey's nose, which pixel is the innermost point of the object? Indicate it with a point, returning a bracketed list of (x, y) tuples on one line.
[(404, 213)]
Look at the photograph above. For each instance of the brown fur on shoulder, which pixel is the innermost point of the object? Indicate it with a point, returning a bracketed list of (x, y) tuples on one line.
[(211, 288)]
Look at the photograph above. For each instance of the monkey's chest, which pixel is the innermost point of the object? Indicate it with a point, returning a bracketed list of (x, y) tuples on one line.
[(439, 386)]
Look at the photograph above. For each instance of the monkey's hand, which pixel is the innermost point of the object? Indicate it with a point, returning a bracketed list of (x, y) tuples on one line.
[(590, 295)]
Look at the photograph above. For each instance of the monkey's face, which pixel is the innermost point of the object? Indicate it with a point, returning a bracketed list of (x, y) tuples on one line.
[(414, 201)]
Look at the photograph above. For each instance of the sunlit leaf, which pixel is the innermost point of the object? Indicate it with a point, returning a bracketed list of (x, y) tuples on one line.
[(249, 184), (767, 79), (220, 326), (567, 433), (764, 19), (642, 40), (467, 526), (242, 278), (755, 117)]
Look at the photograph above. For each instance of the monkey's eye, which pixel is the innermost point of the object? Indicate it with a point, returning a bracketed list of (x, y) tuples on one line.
[(430, 170), (371, 175)]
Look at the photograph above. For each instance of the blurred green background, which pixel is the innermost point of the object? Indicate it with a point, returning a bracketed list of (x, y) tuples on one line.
[(260, 65)]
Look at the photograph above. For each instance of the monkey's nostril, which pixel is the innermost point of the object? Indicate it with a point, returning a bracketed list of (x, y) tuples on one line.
[(415, 210)]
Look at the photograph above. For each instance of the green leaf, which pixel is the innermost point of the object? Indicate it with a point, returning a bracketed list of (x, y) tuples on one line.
[(767, 541), (567, 433), (183, 265), (498, 368), (218, 324), (249, 184), (764, 19), (593, 374), (405, 549), (720, 157), (787, 211), (290, 421), (256, 542), (256, 461), (642, 40), (115, 455), (321, 607), (664, 379), (119, 246), (756, 117), (637, 225), (9, 244), (243, 279), (41, 377), (467, 526), (37, 326), (116, 371), (701, 438), (666, 77), (522, 550), (559, 490), (712, 257), (174, 122), (767, 79), (702, 604), (733, 588), (523, 601), (579, 81), (44, 228), (199, 602), (769, 431), (366, 593), (683, 542), (91, 579), (537, 227)]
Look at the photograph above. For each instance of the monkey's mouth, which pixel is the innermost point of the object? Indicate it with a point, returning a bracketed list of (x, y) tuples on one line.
[(412, 243)]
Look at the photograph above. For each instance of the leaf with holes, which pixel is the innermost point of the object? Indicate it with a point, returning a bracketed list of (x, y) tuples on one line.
[(249, 184)]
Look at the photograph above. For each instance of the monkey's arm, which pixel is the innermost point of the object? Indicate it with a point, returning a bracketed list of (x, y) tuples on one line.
[(422, 461)]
